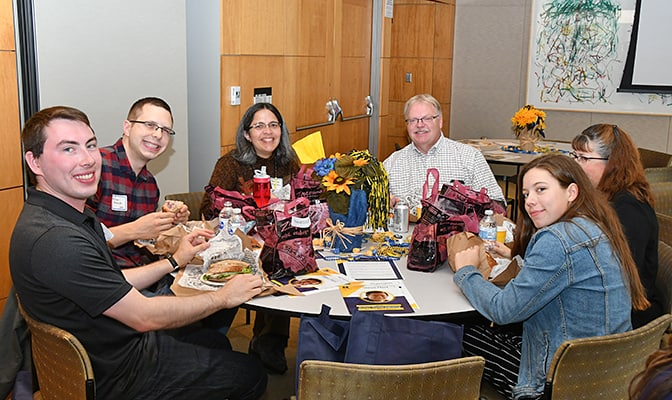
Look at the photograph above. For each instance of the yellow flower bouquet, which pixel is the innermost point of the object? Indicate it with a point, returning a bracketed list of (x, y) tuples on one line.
[(528, 124)]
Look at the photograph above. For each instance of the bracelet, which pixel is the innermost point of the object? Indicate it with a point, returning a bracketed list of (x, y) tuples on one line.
[(173, 262)]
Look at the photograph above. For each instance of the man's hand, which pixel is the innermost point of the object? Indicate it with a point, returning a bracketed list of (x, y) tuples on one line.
[(149, 226), (193, 243), (240, 289), (393, 201), (182, 215)]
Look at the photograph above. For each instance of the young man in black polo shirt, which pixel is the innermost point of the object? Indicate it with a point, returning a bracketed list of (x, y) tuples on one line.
[(65, 275)]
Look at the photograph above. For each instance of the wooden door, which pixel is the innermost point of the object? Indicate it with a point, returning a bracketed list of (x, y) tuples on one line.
[(309, 52), (351, 75)]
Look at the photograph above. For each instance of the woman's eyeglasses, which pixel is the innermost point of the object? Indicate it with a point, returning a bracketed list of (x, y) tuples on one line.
[(583, 159), (260, 126)]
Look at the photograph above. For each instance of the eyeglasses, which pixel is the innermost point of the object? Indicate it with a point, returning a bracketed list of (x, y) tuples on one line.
[(425, 120), (583, 159), (154, 126), (260, 126)]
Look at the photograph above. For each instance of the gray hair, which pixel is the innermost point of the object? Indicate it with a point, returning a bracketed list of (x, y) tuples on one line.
[(422, 98)]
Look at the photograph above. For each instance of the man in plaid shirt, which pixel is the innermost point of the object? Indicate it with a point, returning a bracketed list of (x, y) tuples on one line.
[(128, 196), (407, 168)]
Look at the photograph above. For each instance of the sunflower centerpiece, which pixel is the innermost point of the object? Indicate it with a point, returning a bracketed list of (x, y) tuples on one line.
[(528, 124), (355, 187)]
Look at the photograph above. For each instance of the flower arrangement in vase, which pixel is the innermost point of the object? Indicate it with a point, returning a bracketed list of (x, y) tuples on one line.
[(528, 124), (355, 186)]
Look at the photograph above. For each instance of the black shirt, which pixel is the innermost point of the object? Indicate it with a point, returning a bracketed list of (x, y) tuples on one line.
[(640, 226), (65, 275)]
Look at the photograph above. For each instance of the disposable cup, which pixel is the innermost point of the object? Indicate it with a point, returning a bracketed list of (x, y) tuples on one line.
[(501, 234)]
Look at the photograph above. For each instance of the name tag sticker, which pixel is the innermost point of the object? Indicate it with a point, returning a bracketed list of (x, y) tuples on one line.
[(119, 202), (276, 183)]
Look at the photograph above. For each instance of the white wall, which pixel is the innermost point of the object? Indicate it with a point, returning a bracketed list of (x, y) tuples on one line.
[(490, 78), (100, 56), (203, 80)]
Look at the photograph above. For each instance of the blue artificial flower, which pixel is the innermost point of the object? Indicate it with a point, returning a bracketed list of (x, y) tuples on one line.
[(324, 166)]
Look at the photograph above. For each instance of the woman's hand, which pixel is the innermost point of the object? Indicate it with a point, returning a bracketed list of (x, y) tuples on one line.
[(502, 250), (469, 256)]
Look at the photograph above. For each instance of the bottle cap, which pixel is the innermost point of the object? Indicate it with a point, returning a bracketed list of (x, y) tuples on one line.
[(261, 173)]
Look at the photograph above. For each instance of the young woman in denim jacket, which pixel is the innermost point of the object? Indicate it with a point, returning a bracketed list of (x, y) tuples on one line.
[(578, 278)]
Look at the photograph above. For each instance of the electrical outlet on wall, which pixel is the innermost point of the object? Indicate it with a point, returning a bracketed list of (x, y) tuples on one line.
[(235, 95)]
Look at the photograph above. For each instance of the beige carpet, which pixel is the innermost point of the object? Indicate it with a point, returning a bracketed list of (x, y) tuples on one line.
[(281, 387)]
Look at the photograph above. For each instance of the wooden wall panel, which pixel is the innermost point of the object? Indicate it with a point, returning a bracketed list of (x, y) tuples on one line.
[(230, 26), (10, 151), (442, 80), (355, 85), (413, 31), (11, 180), (6, 25), (383, 106), (253, 27), (445, 31), (229, 115), (421, 68), (306, 29), (356, 135), (11, 203), (308, 90), (355, 28), (445, 109)]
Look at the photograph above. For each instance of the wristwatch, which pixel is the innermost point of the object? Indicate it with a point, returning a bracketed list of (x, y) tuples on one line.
[(173, 262)]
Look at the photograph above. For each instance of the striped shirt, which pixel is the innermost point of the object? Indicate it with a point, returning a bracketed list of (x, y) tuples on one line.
[(407, 170)]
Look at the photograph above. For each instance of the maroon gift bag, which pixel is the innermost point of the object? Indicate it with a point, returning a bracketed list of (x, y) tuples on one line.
[(288, 243)]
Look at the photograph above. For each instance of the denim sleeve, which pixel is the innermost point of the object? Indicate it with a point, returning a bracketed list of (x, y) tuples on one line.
[(543, 277)]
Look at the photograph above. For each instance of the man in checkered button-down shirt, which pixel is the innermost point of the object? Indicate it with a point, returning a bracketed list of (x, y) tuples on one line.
[(407, 168)]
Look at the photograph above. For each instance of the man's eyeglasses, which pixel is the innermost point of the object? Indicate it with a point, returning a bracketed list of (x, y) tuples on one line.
[(260, 126), (425, 120), (154, 126), (583, 159)]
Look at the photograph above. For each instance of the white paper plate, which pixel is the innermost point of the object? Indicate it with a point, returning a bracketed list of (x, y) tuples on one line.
[(207, 282)]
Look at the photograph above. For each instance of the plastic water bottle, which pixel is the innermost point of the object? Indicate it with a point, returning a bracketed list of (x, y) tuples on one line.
[(224, 216), (488, 230), (237, 221)]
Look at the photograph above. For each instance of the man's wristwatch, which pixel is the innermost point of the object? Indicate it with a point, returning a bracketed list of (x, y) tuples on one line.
[(173, 262)]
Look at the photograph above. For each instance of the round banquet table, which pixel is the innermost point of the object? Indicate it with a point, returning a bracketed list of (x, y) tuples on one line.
[(435, 293)]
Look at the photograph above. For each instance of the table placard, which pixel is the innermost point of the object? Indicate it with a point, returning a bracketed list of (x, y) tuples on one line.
[(314, 282), (390, 296), (370, 270)]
